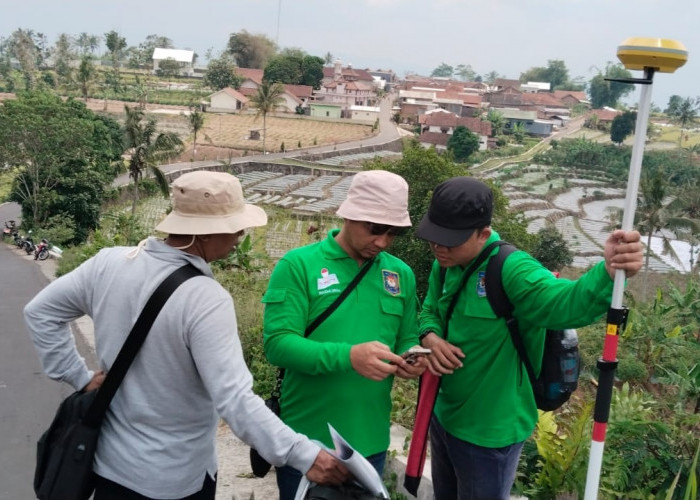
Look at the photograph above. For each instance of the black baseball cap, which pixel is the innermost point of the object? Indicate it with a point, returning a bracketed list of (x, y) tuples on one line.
[(458, 207)]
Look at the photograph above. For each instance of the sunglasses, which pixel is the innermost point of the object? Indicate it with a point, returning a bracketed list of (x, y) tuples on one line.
[(380, 229)]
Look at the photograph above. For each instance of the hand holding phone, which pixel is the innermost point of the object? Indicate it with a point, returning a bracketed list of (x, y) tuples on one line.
[(412, 355)]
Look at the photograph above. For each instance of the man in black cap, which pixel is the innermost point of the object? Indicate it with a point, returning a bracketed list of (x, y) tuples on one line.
[(485, 409)]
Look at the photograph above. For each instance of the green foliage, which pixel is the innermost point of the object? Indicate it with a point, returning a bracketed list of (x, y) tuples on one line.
[(561, 441), (551, 249), (251, 50), (167, 68), (607, 93), (221, 73), (555, 73), (295, 69), (64, 153), (622, 126), (462, 143), (443, 71)]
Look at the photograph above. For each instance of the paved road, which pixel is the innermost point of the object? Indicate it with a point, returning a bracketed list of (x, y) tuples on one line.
[(28, 399)]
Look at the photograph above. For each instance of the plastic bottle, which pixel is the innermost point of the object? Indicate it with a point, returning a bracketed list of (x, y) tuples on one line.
[(570, 360)]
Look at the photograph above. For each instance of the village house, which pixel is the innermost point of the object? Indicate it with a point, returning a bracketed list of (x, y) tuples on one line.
[(438, 125), (346, 87)]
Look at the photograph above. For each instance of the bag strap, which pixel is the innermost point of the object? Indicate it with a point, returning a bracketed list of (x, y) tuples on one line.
[(503, 307), (339, 300), (133, 342), (277, 391), (463, 281)]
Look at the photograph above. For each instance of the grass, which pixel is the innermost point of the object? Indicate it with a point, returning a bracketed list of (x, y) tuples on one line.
[(6, 178)]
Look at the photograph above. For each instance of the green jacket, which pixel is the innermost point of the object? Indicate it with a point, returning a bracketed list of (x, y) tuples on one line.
[(320, 385), (489, 401)]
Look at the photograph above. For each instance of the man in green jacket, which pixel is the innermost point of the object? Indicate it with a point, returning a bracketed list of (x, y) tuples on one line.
[(485, 408), (341, 374)]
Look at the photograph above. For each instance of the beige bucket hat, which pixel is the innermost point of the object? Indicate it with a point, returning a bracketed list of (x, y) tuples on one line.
[(377, 196), (210, 203)]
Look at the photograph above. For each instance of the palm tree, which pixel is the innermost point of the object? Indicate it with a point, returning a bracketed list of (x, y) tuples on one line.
[(196, 121), (656, 213), (685, 115), (497, 122), (148, 148), (266, 99)]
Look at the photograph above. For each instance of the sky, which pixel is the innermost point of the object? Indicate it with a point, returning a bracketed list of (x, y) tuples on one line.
[(506, 36)]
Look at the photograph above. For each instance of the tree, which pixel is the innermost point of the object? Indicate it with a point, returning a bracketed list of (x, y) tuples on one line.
[(295, 68), (221, 73), (655, 213), (491, 77), (607, 93), (556, 74), (465, 72), (86, 75), (23, 45), (622, 126), (311, 71), (685, 115), (115, 44), (168, 68), (551, 249), (265, 100), (674, 103), (251, 51), (328, 58), (147, 148), (443, 71), (87, 44), (462, 143), (196, 122), (64, 153), (498, 123), (283, 69), (518, 132), (64, 57)]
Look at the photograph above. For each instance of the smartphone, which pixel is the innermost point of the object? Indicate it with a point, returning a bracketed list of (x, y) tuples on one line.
[(412, 355)]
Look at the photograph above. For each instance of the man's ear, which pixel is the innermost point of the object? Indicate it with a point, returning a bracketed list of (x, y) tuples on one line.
[(485, 234)]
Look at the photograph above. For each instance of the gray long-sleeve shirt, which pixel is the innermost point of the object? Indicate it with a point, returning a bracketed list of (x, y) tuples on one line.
[(159, 434)]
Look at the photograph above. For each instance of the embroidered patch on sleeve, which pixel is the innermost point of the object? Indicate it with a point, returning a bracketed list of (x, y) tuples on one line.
[(391, 282)]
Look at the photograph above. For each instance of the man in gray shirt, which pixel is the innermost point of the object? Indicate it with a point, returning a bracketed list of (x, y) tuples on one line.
[(158, 437)]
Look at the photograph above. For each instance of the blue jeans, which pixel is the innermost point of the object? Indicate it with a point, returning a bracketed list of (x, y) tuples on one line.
[(288, 478), (465, 471)]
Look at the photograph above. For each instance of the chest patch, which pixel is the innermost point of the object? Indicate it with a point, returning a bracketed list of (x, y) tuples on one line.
[(326, 279), (481, 284), (391, 282)]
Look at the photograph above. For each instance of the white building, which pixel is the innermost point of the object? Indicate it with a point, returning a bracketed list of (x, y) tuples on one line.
[(184, 57)]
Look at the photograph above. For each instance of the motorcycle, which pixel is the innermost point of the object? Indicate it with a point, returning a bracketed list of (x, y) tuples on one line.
[(28, 243), (42, 250), (8, 229), (17, 239)]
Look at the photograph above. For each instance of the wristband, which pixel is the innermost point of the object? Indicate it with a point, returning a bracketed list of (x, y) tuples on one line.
[(423, 335)]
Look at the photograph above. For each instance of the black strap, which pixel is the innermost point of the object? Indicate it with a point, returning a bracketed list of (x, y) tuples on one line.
[(503, 307), (463, 281), (339, 300), (277, 391), (133, 342)]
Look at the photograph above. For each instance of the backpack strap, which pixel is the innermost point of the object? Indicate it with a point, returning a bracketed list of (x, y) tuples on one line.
[(502, 306)]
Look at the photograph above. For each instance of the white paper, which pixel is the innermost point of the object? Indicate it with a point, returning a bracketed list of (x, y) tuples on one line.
[(363, 471)]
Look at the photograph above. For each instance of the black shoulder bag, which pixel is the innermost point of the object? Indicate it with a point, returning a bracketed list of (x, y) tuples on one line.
[(259, 465), (65, 452)]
